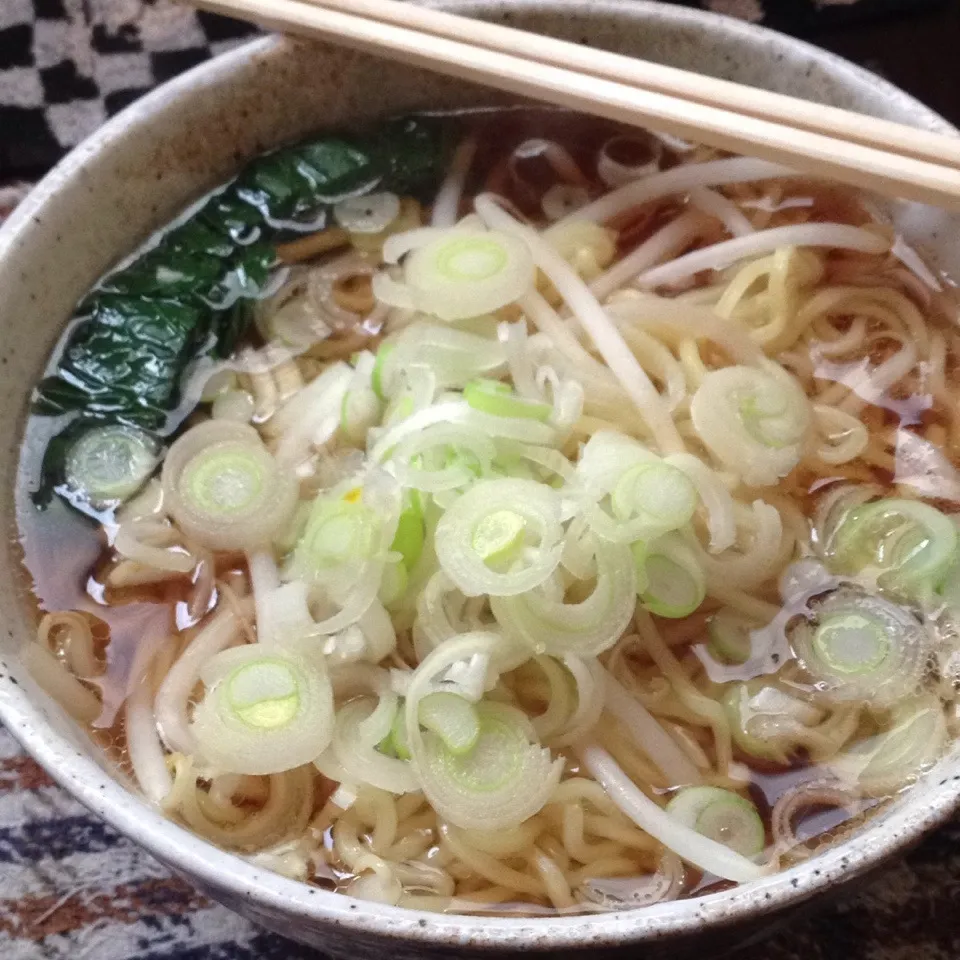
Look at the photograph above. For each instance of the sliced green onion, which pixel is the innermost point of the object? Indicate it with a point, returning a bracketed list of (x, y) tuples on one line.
[(498, 537), (444, 456), (397, 740), (338, 533), (453, 719), (561, 700), (310, 413), (408, 540), (219, 382), (673, 581), (359, 411), (914, 738), (503, 779), (721, 815), (225, 490), (861, 648), (453, 356), (263, 694), (546, 623), (235, 405), (652, 498), (768, 722), (369, 213), (361, 407), (907, 545), (851, 642), (353, 757), (506, 777), (753, 420), (402, 405), (605, 457), (648, 497), (286, 539), (266, 710), (379, 367), (108, 465), (486, 326), (728, 635), (686, 842), (440, 613), (537, 505), (500, 400), (393, 584), (465, 273)]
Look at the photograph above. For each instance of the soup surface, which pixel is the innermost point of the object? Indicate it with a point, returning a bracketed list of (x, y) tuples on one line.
[(508, 512)]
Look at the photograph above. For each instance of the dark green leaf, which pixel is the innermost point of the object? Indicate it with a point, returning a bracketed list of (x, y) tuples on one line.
[(193, 293)]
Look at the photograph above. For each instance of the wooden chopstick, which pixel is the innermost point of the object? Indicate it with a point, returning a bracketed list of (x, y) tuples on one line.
[(850, 162), (645, 75)]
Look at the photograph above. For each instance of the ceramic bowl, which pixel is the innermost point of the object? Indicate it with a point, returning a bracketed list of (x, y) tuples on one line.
[(166, 150)]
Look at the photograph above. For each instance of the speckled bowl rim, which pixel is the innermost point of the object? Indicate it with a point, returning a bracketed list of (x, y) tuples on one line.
[(269, 892)]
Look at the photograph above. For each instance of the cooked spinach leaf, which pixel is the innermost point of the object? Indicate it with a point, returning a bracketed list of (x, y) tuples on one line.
[(190, 295)]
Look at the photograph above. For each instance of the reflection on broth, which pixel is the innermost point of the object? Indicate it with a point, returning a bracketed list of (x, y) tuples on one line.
[(510, 513)]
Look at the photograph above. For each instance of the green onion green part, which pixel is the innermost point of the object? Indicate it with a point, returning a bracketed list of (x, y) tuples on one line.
[(499, 400), (453, 719)]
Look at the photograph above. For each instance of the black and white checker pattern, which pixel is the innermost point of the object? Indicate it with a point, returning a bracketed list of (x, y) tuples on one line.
[(68, 65)]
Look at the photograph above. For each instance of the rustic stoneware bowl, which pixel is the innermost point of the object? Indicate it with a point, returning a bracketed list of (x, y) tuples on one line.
[(165, 151)]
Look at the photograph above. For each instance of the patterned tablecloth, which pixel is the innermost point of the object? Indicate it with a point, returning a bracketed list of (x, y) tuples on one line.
[(70, 887)]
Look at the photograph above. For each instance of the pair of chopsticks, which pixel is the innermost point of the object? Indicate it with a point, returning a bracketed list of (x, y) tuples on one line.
[(863, 151)]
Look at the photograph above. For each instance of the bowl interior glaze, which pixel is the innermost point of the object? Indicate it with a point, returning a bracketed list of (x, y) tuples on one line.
[(164, 152)]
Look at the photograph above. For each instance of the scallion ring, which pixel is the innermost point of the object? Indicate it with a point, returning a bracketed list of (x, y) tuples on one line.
[(721, 815), (466, 273), (266, 710), (547, 623), (670, 580), (339, 533), (107, 465), (755, 421), (463, 537), (501, 780), (224, 489), (861, 648), (907, 545)]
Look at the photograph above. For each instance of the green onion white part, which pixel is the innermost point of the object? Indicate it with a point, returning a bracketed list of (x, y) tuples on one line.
[(912, 740), (460, 273), (265, 710), (352, 758), (453, 719), (224, 489), (457, 541), (370, 213), (861, 648), (722, 816), (907, 546), (454, 356), (754, 421), (499, 400), (107, 465), (505, 776), (545, 623), (729, 636)]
